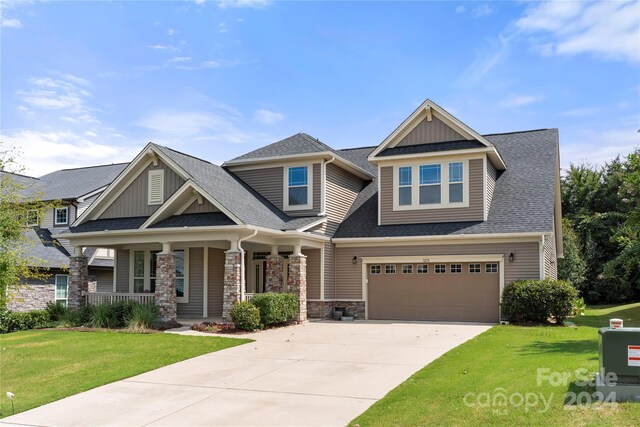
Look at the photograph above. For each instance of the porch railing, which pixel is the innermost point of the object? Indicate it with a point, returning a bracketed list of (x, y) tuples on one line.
[(96, 298), (247, 297)]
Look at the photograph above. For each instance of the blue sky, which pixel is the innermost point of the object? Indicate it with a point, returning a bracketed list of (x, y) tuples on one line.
[(92, 82)]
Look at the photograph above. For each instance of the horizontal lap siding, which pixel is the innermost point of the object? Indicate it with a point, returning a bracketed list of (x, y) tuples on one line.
[(216, 282), (134, 202), (349, 276), (434, 131), (475, 211), (342, 189), (104, 280), (193, 309), (122, 270), (492, 174), (269, 182), (313, 273)]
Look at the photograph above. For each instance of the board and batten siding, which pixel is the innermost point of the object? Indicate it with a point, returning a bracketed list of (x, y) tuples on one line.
[(313, 273), (475, 211), (550, 260), (492, 176), (526, 264), (269, 182), (104, 280), (216, 282), (205, 207), (193, 308), (427, 132), (133, 201), (122, 270)]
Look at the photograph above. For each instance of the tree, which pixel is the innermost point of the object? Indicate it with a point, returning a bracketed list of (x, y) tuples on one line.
[(16, 200), (572, 268)]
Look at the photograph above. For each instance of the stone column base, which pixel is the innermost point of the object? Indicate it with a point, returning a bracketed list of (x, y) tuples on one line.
[(78, 281), (324, 309), (297, 283), (166, 286), (232, 282)]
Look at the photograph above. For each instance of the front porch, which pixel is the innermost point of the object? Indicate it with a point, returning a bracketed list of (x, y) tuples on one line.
[(200, 278)]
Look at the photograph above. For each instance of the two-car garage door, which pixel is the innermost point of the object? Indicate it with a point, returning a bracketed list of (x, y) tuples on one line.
[(457, 292)]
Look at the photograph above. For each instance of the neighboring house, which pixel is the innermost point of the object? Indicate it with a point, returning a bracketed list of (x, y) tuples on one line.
[(429, 225), (75, 189)]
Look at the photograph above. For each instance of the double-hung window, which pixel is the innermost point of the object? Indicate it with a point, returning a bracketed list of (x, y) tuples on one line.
[(430, 184), (143, 274), (62, 288), (32, 218), (456, 180), (138, 271), (181, 291), (298, 191), (61, 216), (404, 185)]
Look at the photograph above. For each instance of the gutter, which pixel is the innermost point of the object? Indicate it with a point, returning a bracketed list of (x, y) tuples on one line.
[(441, 237)]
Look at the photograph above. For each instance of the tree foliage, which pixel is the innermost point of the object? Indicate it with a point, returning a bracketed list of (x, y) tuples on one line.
[(603, 206)]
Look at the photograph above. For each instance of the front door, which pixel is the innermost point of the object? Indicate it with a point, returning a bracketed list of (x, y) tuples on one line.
[(258, 273)]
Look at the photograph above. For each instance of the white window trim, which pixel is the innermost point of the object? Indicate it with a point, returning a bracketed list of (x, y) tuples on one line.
[(406, 265), (444, 185), (34, 224), (55, 216), (455, 272), (395, 269), (379, 267), (422, 265), (285, 188), (479, 268), (155, 172), (55, 296), (147, 272), (435, 269), (491, 263)]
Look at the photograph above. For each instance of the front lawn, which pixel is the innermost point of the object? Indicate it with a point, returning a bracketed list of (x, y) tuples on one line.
[(39, 367), (469, 384)]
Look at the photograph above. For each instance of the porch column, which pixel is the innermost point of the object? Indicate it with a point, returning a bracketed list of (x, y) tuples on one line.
[(297, 282), (232, 281), (78, 280), (165, 295), (275, 267)]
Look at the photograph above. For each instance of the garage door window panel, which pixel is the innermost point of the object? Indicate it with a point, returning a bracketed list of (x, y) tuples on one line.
[(390, 269), (407, 268), (474, 268), (491, 268), (440, 268), (374, 269), (456, 268), (422, 269)]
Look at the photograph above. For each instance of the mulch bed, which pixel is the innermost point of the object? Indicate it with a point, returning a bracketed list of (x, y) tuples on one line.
[(87, 329), (228, 328)]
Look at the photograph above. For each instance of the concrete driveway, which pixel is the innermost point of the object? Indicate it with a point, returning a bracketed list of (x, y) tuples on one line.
[(320, 373)]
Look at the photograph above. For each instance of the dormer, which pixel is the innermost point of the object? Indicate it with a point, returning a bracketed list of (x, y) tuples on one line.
[(433, 168)]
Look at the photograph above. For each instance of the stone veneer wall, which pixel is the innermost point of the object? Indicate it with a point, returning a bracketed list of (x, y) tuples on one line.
[(275, 267), (324, 309), (232, 282), (297, 283), (32, 297), (165, 295), (78, 281)]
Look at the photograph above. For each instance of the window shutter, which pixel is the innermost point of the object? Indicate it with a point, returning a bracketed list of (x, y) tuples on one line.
[(156, 187)]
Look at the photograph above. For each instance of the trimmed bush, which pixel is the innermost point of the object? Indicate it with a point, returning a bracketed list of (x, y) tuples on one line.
[(538, 301), (11, 321), (276, 308), (245, 316)]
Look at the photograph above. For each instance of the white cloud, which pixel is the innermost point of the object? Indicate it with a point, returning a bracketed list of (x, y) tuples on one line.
[(179, 59), (162, 47), (519, 100), (171, 32), (486, 59), (268, 117), (255, 4), (607, 30), (222, 27), (66, 93), (461, 9), (10, 23), (482, 10), (44, 152), (580, 112), (598, 147), (199, 2), (90, 133)]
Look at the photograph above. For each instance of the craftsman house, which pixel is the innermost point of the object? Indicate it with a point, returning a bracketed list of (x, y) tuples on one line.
[(430, 224)]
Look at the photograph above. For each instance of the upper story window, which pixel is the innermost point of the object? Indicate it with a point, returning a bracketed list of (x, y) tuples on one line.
[(431, 185), (32, 218), (298, 194), (155, 193), (61, 216)]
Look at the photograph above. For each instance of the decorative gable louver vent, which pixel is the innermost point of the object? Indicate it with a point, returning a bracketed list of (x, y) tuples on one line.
[(156, 187)]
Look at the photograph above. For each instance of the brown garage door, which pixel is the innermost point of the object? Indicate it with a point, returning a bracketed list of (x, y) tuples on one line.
[(458, 292)]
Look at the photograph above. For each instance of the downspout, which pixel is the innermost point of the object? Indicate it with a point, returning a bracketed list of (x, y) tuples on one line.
[(243, 283), (324, 185)]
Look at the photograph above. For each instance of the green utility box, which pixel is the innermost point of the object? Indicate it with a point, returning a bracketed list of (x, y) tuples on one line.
[(620, 361)]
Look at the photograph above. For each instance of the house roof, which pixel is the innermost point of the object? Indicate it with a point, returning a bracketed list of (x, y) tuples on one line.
[(75, 183), (432, 147), (523, 199), (358, 156)]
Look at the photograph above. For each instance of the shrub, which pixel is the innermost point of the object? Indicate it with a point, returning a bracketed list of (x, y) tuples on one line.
[(143, 316), (276, 308), (56, 310), (76, 318), (11, 321), (245, 316), (538, 300)]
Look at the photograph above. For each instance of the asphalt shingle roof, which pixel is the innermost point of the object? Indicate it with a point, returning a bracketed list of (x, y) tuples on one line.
[(300, 143), (431, 147), (110, 224), (195, 220), (74, 183), (523, 199)]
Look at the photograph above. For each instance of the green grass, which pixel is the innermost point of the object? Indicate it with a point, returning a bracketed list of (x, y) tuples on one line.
[(504, 361), (39, 367)]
